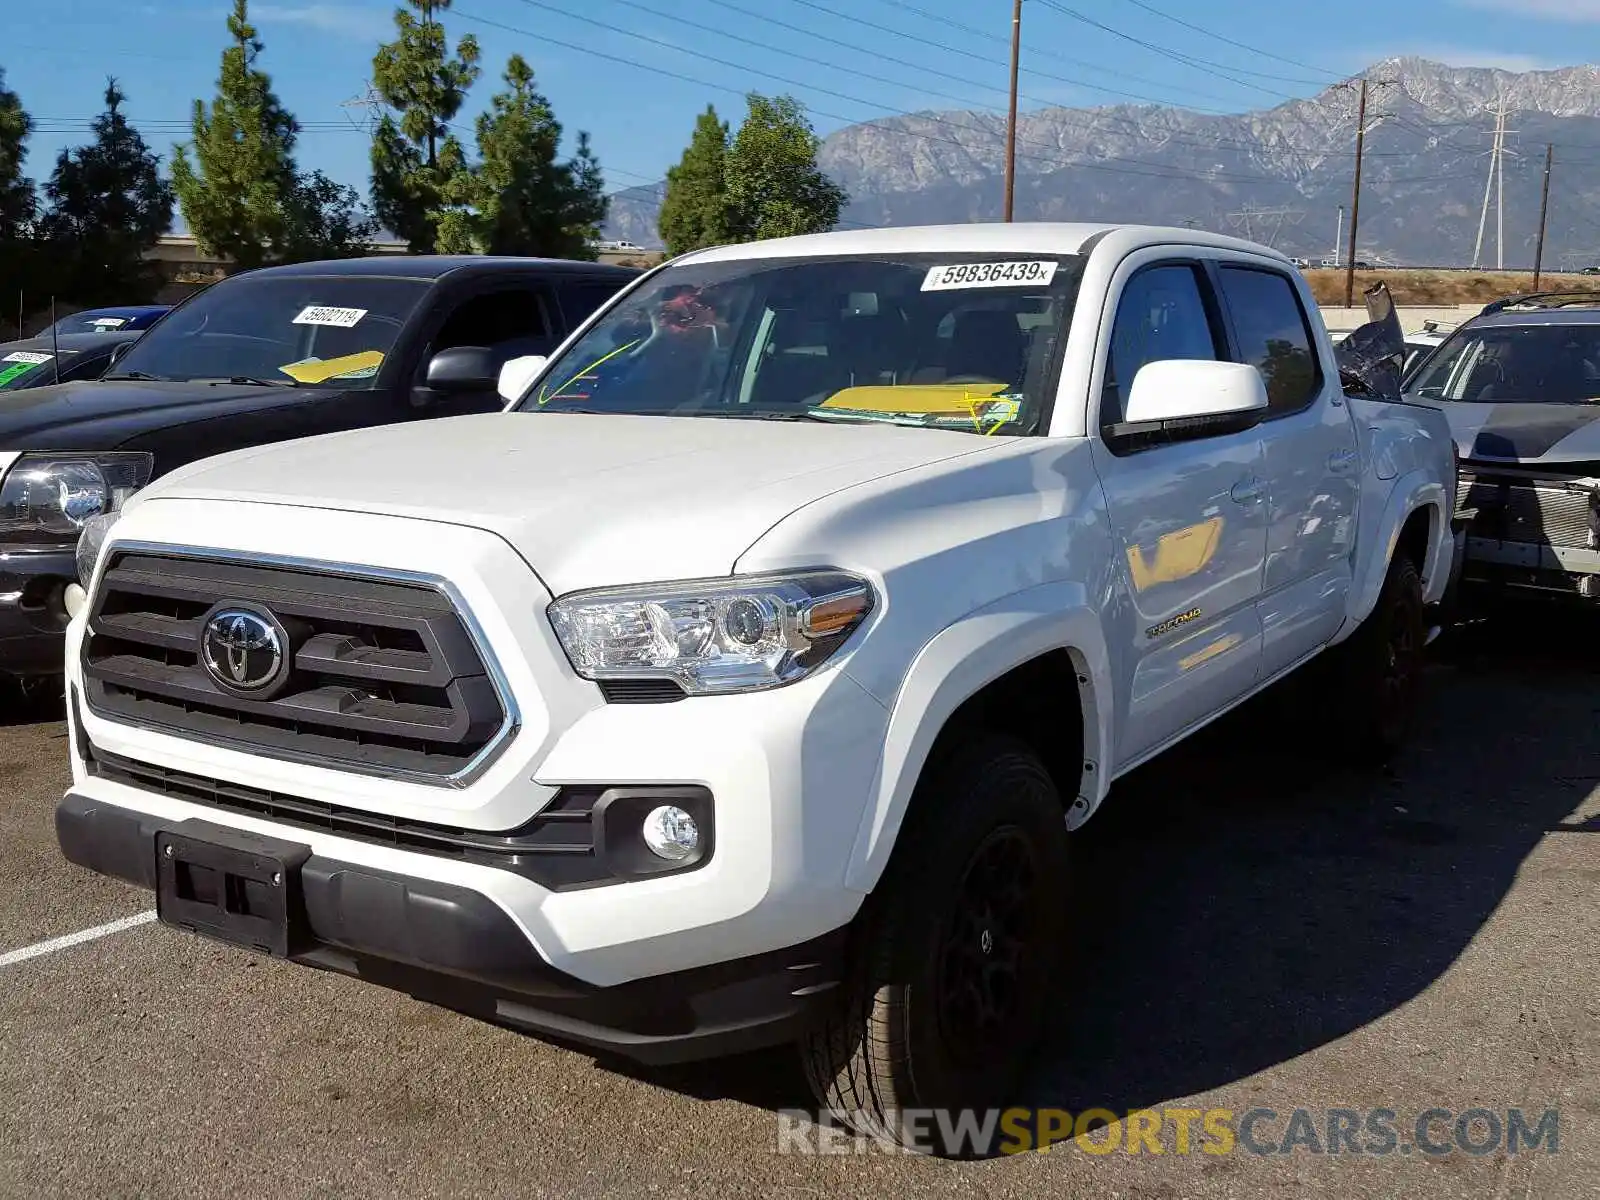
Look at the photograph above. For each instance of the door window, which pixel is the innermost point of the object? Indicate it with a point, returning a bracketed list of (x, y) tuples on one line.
[(512, 322), (1162, 315), (1273, 335), (580, 299)]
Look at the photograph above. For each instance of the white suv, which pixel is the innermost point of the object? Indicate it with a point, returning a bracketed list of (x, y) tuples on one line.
[(743, 681)]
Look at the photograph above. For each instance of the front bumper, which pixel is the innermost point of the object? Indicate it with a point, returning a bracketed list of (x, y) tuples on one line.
[(452, 946), (33, 615), (1534, 567)]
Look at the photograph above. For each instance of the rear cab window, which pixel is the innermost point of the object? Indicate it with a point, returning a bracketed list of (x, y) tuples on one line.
[(1273, 335)]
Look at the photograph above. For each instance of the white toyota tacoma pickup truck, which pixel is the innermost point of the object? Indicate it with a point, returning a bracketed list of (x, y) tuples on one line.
[(744, 680)]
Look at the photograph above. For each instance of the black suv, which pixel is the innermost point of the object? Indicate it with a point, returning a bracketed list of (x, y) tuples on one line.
[(263, 356), (1520, 384)]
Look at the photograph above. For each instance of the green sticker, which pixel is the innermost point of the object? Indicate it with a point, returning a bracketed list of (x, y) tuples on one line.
[(14, 370)]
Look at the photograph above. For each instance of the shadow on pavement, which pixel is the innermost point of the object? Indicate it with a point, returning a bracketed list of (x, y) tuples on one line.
[(1245, 899)]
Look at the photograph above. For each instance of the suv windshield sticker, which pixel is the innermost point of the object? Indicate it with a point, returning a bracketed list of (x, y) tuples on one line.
[(109, 322), (321, 314), (7, 374), (361, 365), (990, 274), (32, 357)]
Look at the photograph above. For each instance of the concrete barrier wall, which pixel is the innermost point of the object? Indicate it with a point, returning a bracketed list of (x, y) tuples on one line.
[(1339, 319)]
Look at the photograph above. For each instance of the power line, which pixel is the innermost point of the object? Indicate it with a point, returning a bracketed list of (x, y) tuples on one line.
[(1165, 172), (842, 16), (1210, 68), (1035, 51), (1149, 8)]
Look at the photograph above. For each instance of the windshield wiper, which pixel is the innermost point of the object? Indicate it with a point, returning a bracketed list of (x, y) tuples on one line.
[(132, 377), (249, 379)]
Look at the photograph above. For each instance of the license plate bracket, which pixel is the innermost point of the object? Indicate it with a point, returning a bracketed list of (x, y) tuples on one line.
[(233, 886)]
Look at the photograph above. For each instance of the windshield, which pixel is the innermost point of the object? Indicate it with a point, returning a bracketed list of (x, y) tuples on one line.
[(103, 322), (284, 329), (956, 341), (1514, 364)]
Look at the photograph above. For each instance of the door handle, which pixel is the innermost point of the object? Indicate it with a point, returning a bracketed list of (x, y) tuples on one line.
[(1342, 461), (1246, 491)]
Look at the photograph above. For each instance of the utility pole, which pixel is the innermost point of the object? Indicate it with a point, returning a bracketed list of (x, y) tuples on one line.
[(1355, 199), (1544, 215), (1338, 237), (1011, 113)]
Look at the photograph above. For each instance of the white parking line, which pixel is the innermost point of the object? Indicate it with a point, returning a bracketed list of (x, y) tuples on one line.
[(12, 957)]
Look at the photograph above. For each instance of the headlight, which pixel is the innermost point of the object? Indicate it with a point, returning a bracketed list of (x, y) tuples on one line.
[(90, 543), (713, 636), (54, 494)]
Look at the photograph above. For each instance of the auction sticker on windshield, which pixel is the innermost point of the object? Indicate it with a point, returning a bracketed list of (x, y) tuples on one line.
[(319, 314), (989, 274), (31, 357)]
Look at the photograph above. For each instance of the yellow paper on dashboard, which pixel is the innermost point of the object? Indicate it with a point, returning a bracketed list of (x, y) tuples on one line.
[(361, 365), (956, 399)]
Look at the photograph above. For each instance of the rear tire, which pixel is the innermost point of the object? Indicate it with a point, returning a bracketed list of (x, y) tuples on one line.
[(958, 946), (1379, 667)]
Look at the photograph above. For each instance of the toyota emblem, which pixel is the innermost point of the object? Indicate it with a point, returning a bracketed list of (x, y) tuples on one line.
[(242, 650)]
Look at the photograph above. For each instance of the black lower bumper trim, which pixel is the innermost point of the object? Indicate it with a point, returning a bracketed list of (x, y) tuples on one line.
[(455, 947)]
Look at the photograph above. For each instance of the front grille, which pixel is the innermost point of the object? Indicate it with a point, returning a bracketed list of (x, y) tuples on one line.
[(383, 676), (1516, 509), (556, 848)]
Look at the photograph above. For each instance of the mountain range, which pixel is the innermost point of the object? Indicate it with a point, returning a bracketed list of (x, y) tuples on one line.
[(1278, 175)]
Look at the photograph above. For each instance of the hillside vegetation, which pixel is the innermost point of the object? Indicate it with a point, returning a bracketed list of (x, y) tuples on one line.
[(1445, 287)]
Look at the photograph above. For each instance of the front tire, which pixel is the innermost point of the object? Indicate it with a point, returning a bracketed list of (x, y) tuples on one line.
[(959, 945), (1380, 667)]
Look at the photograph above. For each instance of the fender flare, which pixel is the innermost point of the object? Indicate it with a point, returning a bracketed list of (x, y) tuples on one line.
[(957, 663), (1412, 491)]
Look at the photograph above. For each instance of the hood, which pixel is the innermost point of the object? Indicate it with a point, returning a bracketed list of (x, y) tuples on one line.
[(588, 500), (1532, 434), (63, 416)]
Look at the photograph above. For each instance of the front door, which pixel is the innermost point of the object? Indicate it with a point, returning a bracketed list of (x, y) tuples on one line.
[(1189, 520)]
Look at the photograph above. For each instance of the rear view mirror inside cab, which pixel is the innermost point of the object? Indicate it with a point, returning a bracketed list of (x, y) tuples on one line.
[(1174, 398)]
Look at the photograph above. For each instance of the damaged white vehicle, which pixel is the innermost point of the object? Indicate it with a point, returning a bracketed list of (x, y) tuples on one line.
[(744, 681)]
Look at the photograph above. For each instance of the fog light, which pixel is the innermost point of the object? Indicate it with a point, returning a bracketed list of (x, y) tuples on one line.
[(670, 833)]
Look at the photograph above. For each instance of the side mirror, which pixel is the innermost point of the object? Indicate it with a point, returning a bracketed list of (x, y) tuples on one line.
[(517, 374), (1194, 390), (462, 369), (118, 352)]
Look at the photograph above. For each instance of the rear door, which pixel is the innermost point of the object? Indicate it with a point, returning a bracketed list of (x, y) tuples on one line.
[(1313, 465), (1187, 515)]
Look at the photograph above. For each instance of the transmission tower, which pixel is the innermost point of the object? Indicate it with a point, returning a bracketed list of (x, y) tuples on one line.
[(368, 105), (1495, 185), (1251, 217)]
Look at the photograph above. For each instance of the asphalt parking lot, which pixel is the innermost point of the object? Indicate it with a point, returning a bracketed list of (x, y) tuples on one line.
[(1259, 926)]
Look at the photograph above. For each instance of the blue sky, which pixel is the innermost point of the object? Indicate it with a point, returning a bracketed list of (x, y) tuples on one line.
[(592, 57)]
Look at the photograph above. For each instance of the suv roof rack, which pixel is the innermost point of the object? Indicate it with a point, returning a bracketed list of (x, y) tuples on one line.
[(1540, 300)]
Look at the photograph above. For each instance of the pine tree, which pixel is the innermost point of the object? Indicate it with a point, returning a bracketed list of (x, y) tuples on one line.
[(528, 202), (17, 201), (694, 212), (108, 205), (774, 186), (421, 180), (234, 197), (18, 204), (324, 219)]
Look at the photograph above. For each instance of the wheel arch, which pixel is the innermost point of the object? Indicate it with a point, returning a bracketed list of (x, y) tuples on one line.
[(1024, 665), (1413, 521)]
